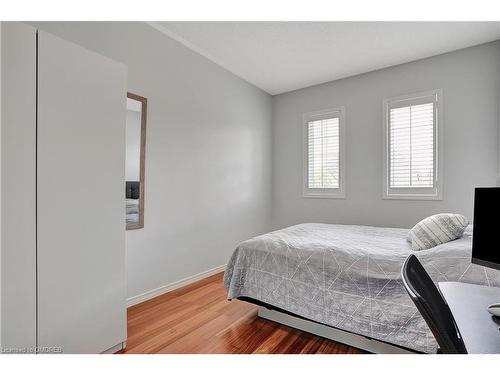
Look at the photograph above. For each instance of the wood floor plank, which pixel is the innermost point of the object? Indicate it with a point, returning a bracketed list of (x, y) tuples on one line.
[(274, 342), (311, 346), (198, 318), (154, 343), (248, 336)]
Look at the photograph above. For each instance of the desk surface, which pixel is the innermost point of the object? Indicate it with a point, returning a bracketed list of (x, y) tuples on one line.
[(469, 306)]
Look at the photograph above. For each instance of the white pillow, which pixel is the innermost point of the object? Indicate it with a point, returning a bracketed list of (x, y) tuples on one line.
[(436, 230), (408, 236)]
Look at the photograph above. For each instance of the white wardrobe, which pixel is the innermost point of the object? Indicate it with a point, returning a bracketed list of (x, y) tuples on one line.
[(62, 215)]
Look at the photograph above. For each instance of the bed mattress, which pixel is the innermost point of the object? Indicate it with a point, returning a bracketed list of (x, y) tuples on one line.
[(348, 277)]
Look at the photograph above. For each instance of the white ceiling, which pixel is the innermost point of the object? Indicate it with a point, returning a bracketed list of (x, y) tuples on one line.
[(284, 56)]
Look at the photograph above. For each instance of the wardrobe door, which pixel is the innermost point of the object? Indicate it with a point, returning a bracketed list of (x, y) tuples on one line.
[(80, 205), (18, 261)]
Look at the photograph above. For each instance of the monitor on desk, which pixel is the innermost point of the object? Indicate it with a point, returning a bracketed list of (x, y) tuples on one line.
[(486, 228)]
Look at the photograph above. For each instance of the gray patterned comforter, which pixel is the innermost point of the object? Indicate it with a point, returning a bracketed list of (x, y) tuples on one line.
[(348, 277)]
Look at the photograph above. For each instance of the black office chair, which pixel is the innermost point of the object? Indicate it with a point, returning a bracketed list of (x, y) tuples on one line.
[(432, 306)]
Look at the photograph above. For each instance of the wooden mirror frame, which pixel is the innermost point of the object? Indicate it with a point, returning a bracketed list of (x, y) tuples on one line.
[(142, 165)]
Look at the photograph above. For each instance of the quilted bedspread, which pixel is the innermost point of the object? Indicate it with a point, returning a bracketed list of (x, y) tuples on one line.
[(348, 277)]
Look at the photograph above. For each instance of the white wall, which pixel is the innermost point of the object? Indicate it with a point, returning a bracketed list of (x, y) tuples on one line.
[(469, 79), (133, 146), (208, 155)]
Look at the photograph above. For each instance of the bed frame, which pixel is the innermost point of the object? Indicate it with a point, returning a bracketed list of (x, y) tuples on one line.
[(335, 334), (289, 319)]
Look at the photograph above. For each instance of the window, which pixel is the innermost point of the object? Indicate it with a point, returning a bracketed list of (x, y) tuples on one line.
[(412, 148), (324, 160)]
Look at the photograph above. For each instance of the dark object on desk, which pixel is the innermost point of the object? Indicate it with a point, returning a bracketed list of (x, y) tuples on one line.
[(484, 239), (433, 308), (468, 304), (484, 249)]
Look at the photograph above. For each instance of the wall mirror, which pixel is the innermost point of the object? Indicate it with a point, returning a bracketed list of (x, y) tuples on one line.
[(135, 160)]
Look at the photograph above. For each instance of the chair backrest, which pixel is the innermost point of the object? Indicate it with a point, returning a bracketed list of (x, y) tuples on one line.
[(431, 305)]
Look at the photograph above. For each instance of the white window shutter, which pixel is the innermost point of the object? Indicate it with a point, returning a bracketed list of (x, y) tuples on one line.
[(413, 146), (411, 143), (323, 153)]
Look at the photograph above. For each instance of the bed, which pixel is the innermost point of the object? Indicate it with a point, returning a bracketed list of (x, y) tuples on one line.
[(347, 277), (132, 210), (132, 194)]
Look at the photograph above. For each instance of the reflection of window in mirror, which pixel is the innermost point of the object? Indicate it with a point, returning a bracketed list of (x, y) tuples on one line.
[(135, 155)]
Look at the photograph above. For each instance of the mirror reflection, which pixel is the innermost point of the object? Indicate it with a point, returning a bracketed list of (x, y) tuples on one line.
[(134, 167)]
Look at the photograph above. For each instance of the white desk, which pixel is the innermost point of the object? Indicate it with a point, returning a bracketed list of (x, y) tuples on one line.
[(469, 306)]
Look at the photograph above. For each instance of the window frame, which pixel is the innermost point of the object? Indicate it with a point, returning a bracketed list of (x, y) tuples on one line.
[(415, 193), (334, 193)]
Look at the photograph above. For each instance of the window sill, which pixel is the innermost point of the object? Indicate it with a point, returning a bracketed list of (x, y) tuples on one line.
[(413, 197), (324, 195)]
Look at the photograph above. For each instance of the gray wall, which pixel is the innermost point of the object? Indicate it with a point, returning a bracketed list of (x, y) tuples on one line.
[(208, 156), (469, 79)]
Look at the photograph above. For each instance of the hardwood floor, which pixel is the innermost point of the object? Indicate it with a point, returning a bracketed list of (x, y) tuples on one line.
[(199, 319)]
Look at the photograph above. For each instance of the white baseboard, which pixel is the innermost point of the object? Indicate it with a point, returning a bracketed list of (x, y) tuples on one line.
[(172, 286)]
